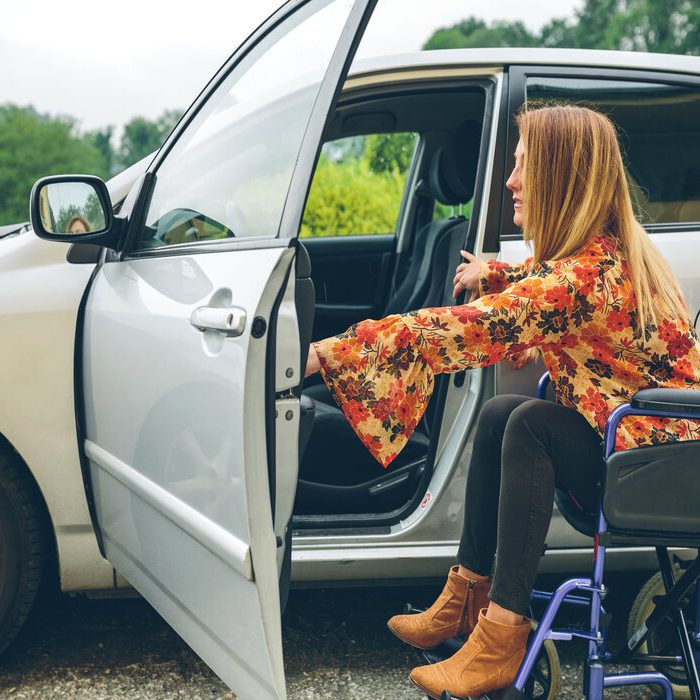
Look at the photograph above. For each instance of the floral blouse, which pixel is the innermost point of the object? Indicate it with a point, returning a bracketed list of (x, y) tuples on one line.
[(579, 312)]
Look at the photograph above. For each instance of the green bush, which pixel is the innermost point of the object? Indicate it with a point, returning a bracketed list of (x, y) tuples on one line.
[(348, 197)]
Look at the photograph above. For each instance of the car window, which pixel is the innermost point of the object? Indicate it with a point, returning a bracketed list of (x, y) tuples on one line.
[(659, 129), (358, 185), (229, 172)]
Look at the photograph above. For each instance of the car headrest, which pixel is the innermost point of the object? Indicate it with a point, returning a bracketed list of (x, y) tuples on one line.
[(453, 167)]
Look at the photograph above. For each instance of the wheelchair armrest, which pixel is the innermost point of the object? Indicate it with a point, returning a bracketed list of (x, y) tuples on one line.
[(666, 403), (672, 401)]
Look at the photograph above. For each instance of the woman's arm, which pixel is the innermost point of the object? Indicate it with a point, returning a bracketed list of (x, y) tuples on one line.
[(313, 364), (496, 276), (479, 277), (381, 373), (475, 276), (529, 313)]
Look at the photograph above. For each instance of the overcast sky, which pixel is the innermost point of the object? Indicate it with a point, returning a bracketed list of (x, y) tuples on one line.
[(105, 62)]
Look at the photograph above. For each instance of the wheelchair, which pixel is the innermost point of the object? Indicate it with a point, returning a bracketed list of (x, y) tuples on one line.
[(648, 496)]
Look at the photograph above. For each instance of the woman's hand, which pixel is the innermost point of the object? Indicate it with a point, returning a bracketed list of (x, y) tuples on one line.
[(467, 276), (313, 364)]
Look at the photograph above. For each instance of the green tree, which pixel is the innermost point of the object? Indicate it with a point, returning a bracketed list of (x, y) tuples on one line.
[(142, 136), (664, 26), (166, 122), (102, 140), (387, 152), (34, 145), (475, 33)]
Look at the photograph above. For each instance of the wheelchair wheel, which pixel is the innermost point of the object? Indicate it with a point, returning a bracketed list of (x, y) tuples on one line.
[(543, 682), (663, 640)]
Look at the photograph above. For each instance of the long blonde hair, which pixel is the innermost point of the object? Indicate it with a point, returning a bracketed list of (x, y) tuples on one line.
[(574, 186)]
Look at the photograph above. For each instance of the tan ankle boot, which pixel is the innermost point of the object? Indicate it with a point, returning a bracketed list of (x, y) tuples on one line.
[(488, 661), (454, 612)]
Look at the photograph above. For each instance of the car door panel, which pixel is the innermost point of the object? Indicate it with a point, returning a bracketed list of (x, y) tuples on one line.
[(352, 276), (681, 251), (170, 472)]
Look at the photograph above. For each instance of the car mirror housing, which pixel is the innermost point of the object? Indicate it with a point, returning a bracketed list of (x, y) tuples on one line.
[(72, 209)]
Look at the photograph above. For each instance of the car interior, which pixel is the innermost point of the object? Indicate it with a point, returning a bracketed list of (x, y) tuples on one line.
[(371, 276)]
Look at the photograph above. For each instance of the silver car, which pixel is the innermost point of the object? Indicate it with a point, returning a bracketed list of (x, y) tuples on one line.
[(156, 430)]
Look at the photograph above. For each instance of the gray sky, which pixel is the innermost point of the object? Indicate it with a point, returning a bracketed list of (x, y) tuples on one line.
[(105, 62)]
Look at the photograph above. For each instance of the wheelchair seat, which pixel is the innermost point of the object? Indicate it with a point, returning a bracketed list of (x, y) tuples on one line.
[(650, 494), (574, 513)]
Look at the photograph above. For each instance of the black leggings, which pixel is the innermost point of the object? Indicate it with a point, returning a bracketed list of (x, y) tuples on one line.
[(523, 447)]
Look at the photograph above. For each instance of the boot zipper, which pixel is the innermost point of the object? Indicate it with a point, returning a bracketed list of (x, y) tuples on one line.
[(468, 603)]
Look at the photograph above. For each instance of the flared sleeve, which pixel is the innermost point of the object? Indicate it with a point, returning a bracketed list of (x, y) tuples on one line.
[(381, 373), (381, 381)]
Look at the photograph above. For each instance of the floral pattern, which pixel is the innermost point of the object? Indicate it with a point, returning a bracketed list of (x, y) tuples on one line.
[(578, 312)]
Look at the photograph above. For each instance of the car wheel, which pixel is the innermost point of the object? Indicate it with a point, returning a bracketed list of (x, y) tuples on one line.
[(22, 546), (663, 641)]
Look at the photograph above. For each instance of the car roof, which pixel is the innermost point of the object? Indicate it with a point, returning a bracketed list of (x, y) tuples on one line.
[(496, 57)]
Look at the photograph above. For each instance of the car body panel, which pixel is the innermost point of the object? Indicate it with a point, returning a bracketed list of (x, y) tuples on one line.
[(40, 294), (171, 476)]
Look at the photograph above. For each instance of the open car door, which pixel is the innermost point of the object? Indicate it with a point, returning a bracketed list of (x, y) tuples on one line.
[(191, 347)]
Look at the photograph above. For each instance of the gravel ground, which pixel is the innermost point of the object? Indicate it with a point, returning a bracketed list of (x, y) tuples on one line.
[(336, 646)]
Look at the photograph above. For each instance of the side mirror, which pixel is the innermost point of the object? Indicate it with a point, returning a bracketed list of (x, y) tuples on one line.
[(73, 209)]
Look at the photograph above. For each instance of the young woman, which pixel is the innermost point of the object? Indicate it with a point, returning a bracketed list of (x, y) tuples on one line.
[(78, 224), (606, 314)]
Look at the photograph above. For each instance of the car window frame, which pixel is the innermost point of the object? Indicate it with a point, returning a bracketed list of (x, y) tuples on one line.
[(494, 82), (517, 94), (300, 182)]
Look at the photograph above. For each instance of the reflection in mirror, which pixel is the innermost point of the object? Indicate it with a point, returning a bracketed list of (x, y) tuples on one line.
[(71, 207)]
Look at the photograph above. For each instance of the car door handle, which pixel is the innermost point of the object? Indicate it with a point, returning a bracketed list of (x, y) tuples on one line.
[(228, 320)]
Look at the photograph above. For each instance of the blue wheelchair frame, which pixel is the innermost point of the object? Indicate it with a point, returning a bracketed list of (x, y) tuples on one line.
[(595, 678)]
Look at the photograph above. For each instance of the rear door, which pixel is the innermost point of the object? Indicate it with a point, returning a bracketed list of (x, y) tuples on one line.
[(192, 348), (658, 120)]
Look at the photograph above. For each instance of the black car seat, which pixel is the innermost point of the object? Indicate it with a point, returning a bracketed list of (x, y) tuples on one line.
[(337, 473), (452, 178)]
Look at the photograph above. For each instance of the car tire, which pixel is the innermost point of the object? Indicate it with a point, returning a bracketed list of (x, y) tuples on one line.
[(22, 546), (642, 607)]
